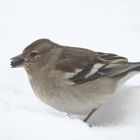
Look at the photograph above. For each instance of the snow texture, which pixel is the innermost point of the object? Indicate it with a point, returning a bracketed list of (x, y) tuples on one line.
[(109, 26)]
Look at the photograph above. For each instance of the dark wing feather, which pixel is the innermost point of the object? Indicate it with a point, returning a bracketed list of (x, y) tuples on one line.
[(93, 65)]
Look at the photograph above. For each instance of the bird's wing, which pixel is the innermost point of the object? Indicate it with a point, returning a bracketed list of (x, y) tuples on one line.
[(84, 65)]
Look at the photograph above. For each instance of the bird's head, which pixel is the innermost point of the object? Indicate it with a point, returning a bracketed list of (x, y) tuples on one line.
[(34, 55)]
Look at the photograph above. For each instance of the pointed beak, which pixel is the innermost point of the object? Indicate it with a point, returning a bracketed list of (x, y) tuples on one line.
[(17, 61)]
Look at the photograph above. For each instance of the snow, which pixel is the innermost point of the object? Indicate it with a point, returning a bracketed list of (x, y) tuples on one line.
[(109, 26)]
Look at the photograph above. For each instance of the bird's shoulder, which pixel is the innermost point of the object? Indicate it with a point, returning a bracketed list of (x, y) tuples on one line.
[(73, 58)]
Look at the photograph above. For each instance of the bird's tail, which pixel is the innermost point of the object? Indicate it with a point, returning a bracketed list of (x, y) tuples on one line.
[(128, 72), (134, 66), (119, 71)]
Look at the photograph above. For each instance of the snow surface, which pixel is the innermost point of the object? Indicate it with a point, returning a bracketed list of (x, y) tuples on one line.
[(109, 26)]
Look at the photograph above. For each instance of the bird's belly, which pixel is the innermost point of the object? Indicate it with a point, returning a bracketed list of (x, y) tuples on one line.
[(74, 99)]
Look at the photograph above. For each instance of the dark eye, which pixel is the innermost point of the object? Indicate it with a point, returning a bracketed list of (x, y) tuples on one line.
[(33, 54)]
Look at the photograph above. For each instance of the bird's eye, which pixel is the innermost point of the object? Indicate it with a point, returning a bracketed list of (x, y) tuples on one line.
[(33, 54)]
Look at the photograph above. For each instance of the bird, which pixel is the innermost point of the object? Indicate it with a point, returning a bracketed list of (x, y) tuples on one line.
[(72, 79)]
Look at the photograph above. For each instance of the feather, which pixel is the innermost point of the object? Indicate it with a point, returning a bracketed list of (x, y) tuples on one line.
[(92, 65)]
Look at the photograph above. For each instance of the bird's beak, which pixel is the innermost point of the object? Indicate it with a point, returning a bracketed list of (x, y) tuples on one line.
[(17, 61)]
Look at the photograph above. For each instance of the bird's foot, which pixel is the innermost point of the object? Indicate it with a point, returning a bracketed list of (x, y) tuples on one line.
[(89, 115), (69, 115)]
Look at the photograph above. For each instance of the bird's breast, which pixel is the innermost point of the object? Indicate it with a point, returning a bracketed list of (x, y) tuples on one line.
[(53, 90)]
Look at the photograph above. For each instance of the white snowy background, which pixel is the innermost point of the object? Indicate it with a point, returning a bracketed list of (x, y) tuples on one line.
[(101, 25)]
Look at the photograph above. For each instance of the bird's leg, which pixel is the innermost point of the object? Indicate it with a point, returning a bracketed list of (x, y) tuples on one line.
[(69, 115), (89, 115)]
